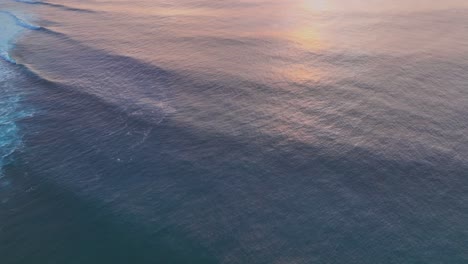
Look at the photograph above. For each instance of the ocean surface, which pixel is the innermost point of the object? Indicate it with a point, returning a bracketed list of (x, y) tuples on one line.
[(235, 131)]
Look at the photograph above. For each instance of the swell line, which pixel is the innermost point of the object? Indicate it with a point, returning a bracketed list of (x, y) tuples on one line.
[(11, 112), (11, 28), (20, 22), (112, 105), (63, 7)]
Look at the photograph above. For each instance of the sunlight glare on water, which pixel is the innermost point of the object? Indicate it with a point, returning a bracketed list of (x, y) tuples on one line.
[(235, 132)]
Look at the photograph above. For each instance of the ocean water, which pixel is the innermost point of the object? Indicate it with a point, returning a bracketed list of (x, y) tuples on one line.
[(237, 131), (10, 99)]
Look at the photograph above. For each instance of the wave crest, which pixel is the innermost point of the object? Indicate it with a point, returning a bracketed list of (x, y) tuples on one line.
[(10, 114), (59, 6), (10, 111), (12, 26), (20, 22)]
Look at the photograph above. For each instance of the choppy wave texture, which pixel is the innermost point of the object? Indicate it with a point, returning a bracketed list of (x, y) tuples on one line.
[(259, 132), (10, 113), (10, 110)]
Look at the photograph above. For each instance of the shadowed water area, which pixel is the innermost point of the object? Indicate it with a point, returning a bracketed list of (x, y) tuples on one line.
[(195, 131)]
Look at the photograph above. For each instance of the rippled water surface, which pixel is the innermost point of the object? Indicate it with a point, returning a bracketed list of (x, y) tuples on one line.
[(236, 131)]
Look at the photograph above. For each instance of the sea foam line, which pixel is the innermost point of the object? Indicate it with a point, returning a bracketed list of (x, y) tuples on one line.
[(28, 1), (12, 26), (63, 7), (20, 22), (11, 110)]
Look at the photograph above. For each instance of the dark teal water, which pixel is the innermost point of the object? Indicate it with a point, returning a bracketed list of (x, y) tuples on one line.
[(196, 131)]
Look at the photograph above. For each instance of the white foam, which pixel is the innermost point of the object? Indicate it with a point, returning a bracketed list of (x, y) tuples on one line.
[(10, 109), (9, 30), (11, 25)]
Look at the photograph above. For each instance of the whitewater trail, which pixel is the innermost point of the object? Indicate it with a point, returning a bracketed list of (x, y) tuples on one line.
[(10, 107), (11, 112), (20, 22), (12, 27), (54, 5)]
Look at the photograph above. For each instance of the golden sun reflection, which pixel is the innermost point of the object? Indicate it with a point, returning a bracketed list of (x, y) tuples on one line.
[(300, 33), (307, 37), (299, 73)]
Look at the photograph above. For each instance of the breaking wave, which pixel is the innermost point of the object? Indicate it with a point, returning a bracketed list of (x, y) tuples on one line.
[(10, 113), (59, 6), (10, 110), (12, 27)]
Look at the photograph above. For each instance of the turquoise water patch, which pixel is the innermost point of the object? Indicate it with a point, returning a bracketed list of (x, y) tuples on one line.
[(10, 111), (11, 25), (9, 31)]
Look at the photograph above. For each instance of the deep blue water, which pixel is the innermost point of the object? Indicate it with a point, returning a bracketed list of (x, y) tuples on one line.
[(196, 131)]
